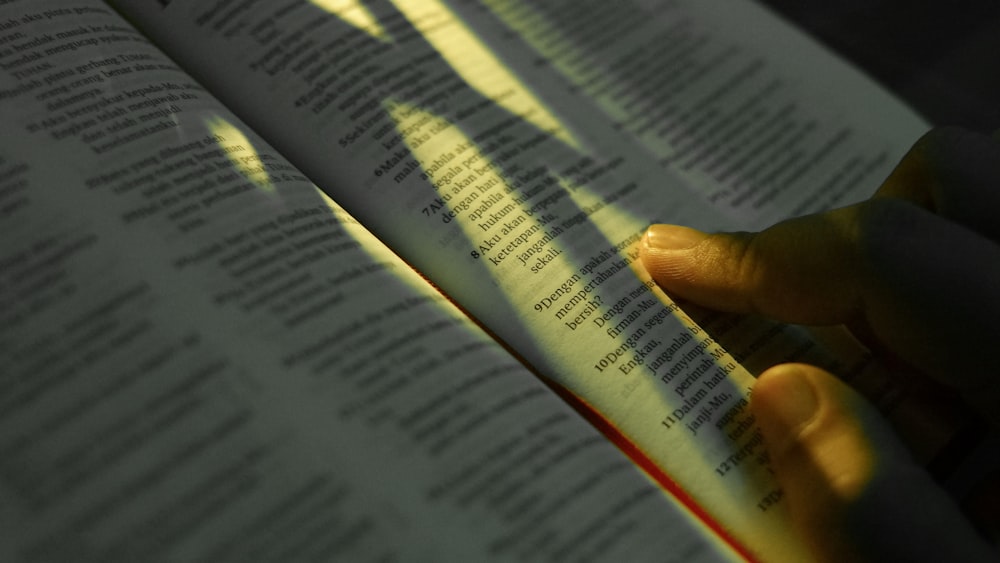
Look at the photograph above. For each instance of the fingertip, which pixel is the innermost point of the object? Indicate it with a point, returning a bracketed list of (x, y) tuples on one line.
[(666, 238), (694, 265), (783, 401), (665, 252), (815, 427), (818, 454), (852, 490)]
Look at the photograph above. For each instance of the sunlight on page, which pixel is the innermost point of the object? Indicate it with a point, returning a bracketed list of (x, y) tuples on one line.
[(354, 13), (681, 414), (478, 66), (241, 152), (494, 221), (382, 257), (491, 193)]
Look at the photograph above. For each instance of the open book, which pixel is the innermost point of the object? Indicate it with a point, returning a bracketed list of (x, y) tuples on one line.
[(356, 280)]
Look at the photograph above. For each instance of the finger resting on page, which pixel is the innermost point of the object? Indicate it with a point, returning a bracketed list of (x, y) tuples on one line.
[(925, 286), (799, 270), (853, 491)]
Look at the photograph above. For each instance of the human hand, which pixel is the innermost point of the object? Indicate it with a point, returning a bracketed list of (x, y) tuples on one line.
[(914, 270)]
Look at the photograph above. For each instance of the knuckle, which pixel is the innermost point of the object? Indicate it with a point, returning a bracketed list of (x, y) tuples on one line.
[(940, 137), (953, 152), (881, 223), (752, 262), (739, 255)]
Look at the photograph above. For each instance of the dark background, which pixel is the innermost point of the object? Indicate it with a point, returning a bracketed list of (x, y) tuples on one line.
[(943, 58)]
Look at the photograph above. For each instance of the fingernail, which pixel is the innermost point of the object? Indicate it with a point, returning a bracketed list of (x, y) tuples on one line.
[(790, 397), (672, 237)]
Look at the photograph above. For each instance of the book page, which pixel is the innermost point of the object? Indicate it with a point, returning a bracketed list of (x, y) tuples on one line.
[(514, 152), (756, 117), (203, 358)]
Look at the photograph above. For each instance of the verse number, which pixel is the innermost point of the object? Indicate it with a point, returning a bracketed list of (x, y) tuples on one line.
[(723, 468), (434, 207)]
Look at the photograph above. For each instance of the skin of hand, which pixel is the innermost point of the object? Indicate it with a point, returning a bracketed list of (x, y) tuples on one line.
[(915, 270)]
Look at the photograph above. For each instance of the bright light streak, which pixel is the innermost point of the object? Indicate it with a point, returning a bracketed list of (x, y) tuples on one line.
[(354, 13), (241, 152), (478, 66)]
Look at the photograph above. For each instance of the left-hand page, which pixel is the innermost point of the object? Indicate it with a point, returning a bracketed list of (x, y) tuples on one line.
[(202, 358)]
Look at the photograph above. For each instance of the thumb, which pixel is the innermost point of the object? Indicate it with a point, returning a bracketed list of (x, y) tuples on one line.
[(852, 489)]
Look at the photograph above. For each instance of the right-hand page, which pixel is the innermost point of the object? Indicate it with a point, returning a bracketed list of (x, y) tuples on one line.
[(759, 119), (515, 151)]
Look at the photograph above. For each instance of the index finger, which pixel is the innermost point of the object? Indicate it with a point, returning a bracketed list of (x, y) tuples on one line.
[(927, 287)]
